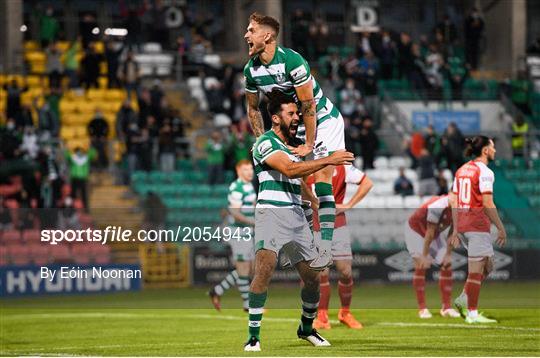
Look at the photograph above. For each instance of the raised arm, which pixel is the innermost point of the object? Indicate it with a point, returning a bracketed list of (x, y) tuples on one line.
[(254, 114)]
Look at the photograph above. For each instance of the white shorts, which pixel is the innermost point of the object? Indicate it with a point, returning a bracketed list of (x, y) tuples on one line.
[(415, 244), (242, 250), (478, 244), (287, 228), (341, 243), (329, 137)]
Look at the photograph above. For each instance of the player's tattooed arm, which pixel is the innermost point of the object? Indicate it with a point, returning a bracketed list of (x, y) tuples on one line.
[(254, 115)]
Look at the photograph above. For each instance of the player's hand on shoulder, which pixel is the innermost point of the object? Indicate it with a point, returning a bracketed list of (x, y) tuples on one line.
[(341, 157)]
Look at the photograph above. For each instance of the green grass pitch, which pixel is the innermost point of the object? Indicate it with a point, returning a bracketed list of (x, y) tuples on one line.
[(180, 322)]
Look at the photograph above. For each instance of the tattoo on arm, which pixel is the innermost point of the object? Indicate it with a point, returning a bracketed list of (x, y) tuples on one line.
[(254, 115), (309, 112), (308, 107)]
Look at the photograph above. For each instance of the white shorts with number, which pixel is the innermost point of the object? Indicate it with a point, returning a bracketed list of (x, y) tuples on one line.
[(287, 229), (329, 137), (478, 244), (341, 243), (415, 244), (243, 248)]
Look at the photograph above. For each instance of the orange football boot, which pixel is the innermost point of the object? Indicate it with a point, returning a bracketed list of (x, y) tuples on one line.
[(321, 321), (346, 317)]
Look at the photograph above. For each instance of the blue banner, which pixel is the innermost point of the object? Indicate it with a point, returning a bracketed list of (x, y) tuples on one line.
[(62, 279), (467, 121)]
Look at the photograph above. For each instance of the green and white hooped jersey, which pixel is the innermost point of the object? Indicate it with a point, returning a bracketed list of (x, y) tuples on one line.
[(275, 189), (287, 70), (242, 194)]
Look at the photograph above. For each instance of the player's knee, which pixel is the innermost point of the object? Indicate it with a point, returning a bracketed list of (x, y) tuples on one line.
[(345, 274), (488, 265)]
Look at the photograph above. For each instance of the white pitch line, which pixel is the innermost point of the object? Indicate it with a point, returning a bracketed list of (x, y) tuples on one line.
[(456, 325), (238, 318)]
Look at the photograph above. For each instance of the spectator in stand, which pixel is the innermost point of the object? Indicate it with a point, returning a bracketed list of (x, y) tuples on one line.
[(125, 116), (160, 30), (90, 67), (132, 14), (335, 69), (144, 101), (403, 186), (13, 98), (432, 143), (318, 37), (350, 99), (405, 55), (241, 141), (199, 48), (352, 135), (67, 215), (152, 127), (387, 56), (79, 170), (448, 30), (146, 145), (457, 73), (433, 72), (369, 73), (167, 147), (71, 64), (178, 126), (98, 129), (51, 181), (156, 99), (48, 122), (48, 27), (417, 70), (214, 95), (129, 74), (534, 48), (215, 151), (414, 148), (132, 139), (365, 44), (30, 146), (520, 130), (426, 168), (442, 184), (112, 56), (474, 30), (369, 143), (54, 65), (86, 29), (24, 118), (452, 145), (299, 31), (10, 140)]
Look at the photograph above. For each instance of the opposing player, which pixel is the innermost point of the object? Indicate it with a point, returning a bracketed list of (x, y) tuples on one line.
[(341, 245), (472, 197), (274, 69), (242, 211), (280, 222), (426, 234)]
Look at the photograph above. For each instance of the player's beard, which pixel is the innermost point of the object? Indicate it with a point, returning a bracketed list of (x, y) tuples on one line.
[(286, 130)]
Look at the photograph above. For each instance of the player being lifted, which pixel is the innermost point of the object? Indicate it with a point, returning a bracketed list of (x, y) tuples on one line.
[(241, 209), (426, 233), (280, 222), (341, 245), (475, 211), (276, 69)]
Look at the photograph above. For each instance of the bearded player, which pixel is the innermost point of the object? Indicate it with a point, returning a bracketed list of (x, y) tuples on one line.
[(241, 219), (280, 222), (472, 197), (273, 68), (426, 233), (341, 245)]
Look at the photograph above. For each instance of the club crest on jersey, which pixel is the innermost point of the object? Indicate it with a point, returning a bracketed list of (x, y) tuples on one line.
[(280, 77)]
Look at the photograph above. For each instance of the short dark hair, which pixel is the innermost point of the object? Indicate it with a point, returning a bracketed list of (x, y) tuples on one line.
[(476, 144), (276, 100), (265, 20)]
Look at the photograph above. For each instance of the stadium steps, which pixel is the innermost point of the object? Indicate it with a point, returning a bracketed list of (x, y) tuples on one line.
[(114, 205)]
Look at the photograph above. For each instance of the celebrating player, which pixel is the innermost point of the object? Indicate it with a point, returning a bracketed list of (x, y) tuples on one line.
[(341, 245), (241, 208), (425, 236), (472, 197), (272, 70), (280, 221)]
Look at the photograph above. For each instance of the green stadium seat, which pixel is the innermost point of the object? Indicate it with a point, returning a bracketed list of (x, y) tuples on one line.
[(158, 177), (139, 176)]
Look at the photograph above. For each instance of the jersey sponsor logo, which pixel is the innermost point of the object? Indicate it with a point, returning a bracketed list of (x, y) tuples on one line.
[(265, 147), (299, 72)]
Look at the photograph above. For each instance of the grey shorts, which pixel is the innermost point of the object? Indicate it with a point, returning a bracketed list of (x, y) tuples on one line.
[(478, 244), (287, 229)]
